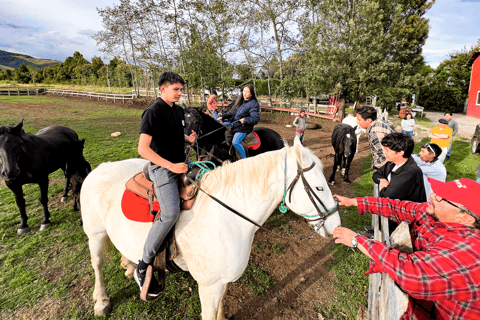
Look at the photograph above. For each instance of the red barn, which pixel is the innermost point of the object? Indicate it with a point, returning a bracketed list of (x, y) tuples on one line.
[(473, 106)]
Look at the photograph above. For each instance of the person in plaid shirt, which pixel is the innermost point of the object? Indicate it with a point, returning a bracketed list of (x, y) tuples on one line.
[(376, 129), (442, 275)]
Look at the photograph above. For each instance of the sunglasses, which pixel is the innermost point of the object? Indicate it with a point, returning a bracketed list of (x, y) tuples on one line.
[(429, 147)]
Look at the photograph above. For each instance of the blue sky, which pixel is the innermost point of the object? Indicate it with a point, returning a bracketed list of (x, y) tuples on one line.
[(55, 29)]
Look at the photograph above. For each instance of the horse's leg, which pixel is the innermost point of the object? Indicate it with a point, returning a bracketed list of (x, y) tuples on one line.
[(221, 311), (20, 200), (44, 201), (97, 242), (348, 161), (66, 189), (331, 180), (211, 300)]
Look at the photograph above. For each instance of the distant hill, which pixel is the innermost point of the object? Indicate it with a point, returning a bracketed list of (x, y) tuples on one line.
[(10, 60)]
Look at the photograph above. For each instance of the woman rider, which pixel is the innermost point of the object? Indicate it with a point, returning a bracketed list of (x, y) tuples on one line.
[(246, 114)]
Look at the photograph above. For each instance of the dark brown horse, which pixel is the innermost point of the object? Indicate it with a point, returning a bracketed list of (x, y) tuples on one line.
[(30, 158)]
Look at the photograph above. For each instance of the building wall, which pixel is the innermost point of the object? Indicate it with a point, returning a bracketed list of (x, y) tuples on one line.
[(473, 107)]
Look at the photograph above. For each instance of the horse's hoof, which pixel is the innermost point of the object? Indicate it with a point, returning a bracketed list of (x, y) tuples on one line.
[(21, 231), (331, 183), (102, 309), (64, 199), (347, 182), (45, 226)]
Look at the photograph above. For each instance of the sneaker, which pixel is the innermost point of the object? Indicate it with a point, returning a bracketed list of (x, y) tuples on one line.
[(155, 288)]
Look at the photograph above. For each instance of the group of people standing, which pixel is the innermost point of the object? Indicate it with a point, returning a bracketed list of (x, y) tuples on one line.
[(442, 275)]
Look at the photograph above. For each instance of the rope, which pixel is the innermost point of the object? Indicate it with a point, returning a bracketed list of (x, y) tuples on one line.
[(283, 208), (203, 165)]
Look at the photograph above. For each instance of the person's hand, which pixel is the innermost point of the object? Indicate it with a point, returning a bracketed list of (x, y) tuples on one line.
[(344, 201), (178, 167), (219, 119), (242, 120), (383, 184), (191, 138), (344, 236)]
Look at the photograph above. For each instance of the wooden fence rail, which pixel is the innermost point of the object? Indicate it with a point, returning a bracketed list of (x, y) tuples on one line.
[(91, 95)]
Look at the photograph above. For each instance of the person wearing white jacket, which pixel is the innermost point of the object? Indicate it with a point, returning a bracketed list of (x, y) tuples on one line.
[(407, 124)]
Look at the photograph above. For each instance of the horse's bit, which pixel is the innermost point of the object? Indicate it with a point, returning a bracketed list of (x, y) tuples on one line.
[(320, 216)]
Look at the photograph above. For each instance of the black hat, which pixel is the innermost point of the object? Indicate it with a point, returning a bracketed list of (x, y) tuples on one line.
[(445, 121)]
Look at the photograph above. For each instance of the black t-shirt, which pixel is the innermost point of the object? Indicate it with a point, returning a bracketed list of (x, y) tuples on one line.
[(165, 125)]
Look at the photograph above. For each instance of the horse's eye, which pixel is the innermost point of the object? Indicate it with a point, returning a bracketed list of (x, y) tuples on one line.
[(319, 188)]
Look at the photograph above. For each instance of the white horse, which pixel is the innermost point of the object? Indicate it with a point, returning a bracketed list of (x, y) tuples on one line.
[(213, 243)]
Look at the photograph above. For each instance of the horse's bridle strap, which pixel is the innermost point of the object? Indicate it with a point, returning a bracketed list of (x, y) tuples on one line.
[(311, 194)]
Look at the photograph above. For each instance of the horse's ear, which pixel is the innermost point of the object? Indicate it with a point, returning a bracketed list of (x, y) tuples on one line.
[(183, 106), (82, 143), (298, 150), (18, 127), (355, 128)]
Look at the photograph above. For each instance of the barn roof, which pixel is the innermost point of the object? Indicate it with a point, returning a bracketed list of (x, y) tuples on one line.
[(472, 58)]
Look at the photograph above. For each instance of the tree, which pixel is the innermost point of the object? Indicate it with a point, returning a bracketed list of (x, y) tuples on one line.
[(446, 87), (365, 47), (22, 75)]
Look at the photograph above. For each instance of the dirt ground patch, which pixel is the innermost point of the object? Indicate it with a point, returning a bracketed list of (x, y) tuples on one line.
[(300, 273)]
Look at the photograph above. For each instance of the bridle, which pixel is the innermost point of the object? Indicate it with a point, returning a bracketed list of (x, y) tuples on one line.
[(320, 216)]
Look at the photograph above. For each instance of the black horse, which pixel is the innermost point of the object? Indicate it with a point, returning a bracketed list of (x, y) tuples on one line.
[(211, 137), (30, 158), (344, 141)]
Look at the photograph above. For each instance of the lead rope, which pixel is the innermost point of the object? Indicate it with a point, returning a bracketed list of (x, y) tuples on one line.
[(283, 208), (203, 168)]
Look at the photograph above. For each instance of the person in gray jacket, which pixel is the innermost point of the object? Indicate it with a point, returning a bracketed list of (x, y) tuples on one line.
[(300, 124), (452, 124)]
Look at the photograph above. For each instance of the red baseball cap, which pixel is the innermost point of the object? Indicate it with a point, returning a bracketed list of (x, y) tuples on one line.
[(463, 191)]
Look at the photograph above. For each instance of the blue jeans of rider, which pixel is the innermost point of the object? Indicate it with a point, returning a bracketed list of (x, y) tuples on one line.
[(166, 185), (237, 139)]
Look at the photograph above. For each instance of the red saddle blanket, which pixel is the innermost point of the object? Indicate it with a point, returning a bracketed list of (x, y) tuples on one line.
[(257, 145), (136, 208)]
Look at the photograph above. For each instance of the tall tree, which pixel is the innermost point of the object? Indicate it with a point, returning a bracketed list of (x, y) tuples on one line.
[(366, 47)]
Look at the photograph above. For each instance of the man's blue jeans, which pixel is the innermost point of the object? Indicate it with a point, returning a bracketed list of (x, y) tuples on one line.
[(237, 138), (166, 185)]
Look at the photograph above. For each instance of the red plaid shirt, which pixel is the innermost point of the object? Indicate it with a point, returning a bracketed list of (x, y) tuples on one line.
[(443, 272)]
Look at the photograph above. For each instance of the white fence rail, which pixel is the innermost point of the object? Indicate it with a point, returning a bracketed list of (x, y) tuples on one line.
[(8, 91), (106, 96)]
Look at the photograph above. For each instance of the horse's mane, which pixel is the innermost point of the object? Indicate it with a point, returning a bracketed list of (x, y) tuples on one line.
[(251, 175), (7, 129)]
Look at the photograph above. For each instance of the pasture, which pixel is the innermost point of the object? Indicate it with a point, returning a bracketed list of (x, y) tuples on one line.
[(47, 275)]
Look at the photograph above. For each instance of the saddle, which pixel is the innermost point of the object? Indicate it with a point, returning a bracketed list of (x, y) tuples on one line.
[(251, 141), (142, 185)]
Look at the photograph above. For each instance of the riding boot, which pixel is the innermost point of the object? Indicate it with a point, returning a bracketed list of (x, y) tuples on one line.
[(228, 136)]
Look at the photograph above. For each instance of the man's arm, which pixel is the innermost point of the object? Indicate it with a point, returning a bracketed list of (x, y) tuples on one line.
[(377, 148), (146, 152), (432, 274)]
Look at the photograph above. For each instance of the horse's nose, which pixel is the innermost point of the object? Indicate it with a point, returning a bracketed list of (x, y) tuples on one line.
[(10, 174)]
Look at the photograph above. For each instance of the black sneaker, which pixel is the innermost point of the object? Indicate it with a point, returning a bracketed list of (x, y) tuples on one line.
[(155, 289)]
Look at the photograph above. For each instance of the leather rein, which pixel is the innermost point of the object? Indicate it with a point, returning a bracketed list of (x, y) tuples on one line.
[(320, 216)]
